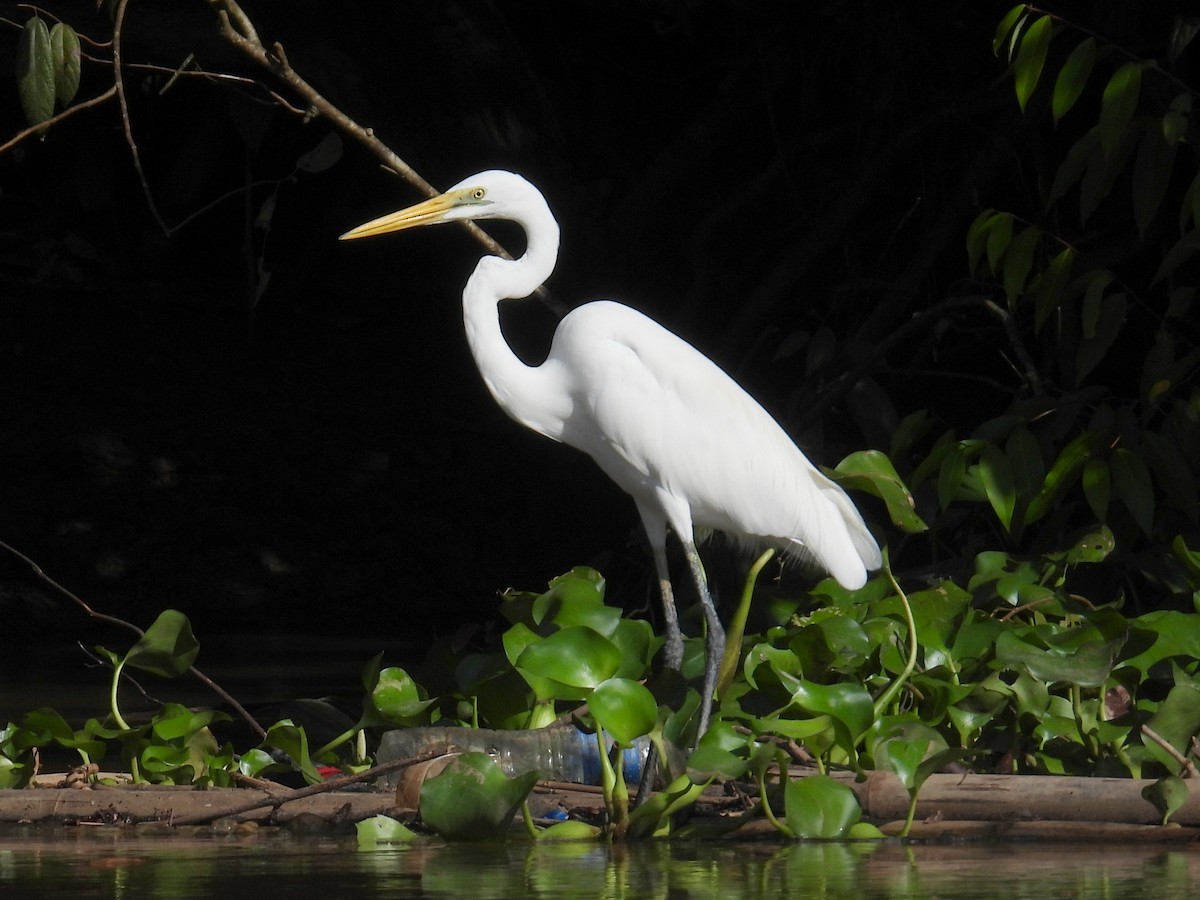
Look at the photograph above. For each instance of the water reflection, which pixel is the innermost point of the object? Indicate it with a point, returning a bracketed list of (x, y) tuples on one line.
[(122, 863)]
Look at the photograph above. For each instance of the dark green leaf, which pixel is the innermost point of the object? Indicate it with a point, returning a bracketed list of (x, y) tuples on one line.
[(1072, 78), (576, 658), (1047, 289), (995, 474), (1118, 105), (35, 72), (871, 471), (1176, 721), (396, 696), (64, 53), (168, 648), (1151, 174), (1181, 252), (1168, 795), (951, 474), (383, 830), (1088, 663), (472, 798), (1076, 163), (1018, 261), (1062, 476), (1006, 26), (1101, 321), (1031, 57), (1025, 459), (624, 708), (817, 806), (999, 235), (1096, 487), (1131, 481)]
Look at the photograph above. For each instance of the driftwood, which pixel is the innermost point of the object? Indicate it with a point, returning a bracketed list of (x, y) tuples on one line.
[(951, 807), (1020, 797)]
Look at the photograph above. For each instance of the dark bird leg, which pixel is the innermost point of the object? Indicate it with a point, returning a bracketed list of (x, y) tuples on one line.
[(714, 641)]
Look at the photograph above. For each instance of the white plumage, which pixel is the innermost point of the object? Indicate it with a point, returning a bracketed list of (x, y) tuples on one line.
[(663, 421)]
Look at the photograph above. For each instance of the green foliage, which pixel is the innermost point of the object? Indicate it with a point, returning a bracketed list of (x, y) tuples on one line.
[(47, 68), (472, 799)]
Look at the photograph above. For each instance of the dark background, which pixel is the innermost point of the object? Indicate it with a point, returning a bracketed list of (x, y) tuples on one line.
[(782, 184)]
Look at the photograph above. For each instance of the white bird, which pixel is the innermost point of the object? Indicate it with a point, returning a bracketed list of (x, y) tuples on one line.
[(693, 449)]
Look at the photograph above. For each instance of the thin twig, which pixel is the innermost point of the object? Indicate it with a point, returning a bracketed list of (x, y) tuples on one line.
[(278, 798), (121, 623), (55, 119), (119, 83), (236, 27), (1188, 766)]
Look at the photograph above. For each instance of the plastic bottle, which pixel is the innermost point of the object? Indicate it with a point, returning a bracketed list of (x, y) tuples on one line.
[(558, 753)]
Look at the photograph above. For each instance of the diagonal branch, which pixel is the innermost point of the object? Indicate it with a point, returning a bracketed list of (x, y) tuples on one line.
[(237, 28)]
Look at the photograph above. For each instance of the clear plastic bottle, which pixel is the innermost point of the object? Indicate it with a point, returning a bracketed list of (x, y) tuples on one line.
[(558, 753)]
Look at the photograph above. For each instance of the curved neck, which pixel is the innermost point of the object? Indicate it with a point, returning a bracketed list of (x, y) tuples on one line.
[(532, 395)]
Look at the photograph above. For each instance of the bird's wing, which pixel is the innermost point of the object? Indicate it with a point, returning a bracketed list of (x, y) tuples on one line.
[(658, 415)]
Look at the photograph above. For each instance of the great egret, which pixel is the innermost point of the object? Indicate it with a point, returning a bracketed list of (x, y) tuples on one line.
[(663, 421)]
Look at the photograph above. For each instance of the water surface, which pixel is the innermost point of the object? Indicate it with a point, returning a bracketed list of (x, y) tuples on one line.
[(138, 861)]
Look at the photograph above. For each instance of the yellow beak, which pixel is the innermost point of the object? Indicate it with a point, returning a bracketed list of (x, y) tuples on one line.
[(429, 212)]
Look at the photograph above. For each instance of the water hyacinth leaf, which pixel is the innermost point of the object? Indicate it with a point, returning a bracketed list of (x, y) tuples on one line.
[(35, 72), (175, 721), (396, 697), (635, 640), (624, 708), (1173, 635), (383, 830), (1131, 481), (168, 648), (472, 798), (1118, 105), (1087, 664), (1072, 78), (848, 704), (871, 471), (576, 598), (576, 657), (289, 738), (1168, 795), (722, 751), (819, 807), (1176, 721), (1031, 57), (65, 56), (570, 830)]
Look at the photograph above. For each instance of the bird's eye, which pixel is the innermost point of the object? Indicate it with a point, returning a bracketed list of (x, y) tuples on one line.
[(478, 194)]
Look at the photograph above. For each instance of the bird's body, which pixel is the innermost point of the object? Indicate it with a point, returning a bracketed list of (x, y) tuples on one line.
[(664, 422)]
